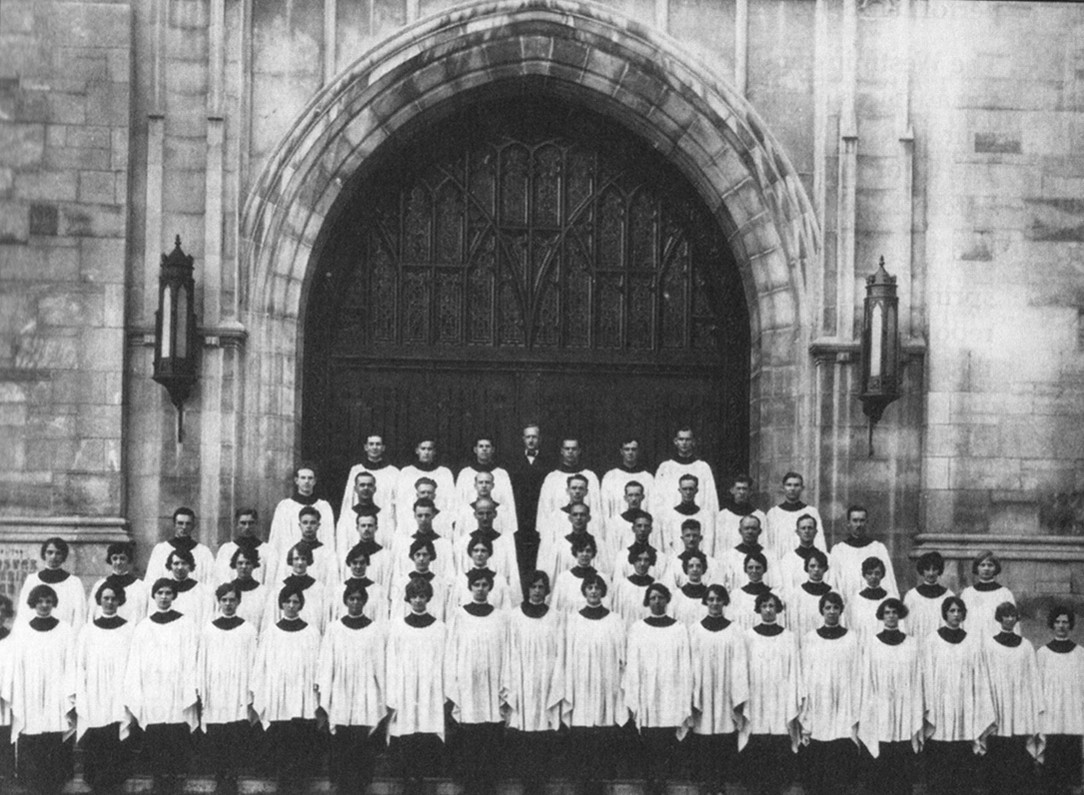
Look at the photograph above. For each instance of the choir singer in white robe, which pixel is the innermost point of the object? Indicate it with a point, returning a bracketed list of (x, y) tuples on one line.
[(1061, 669)]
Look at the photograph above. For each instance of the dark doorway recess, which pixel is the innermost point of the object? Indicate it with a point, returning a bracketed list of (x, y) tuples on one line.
[(523, 258)]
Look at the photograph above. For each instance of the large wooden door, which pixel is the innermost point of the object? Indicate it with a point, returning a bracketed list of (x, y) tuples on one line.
[(524, 260)]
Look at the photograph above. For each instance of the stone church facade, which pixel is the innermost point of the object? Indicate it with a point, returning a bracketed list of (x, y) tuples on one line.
[(813, 137)]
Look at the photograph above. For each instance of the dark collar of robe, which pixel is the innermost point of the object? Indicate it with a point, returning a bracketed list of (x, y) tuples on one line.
[(109, 622), (233, 622), (165, 616), (419, 620), (715, 623)]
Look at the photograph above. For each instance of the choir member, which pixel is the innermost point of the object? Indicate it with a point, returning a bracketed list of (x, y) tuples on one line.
[(224, 665), (254, 594), (348, 530), (617, 530), (862, 608), (631, 591), (731, 511), (381, 566), (376, 488), (477, 633), (593, 704), (744, 600), (415, 685), (642, 533), (959, 705), (691, 543), (732, 563), (101, 655), (684, 462), (769, 737), (376, 596), (658, 685), (424, 512), (500, 483), (532, 684), (830, 698), (847, 556), (720, 691), (672, 517), (71, 606), (553, 490), (503, 555), (924, 600), (324, 567), (7, 646), (160, 685), (41, 691), (791, 569), (119, 556), (284, 688), (444, 519), (480, 552), (688, 605), (552, 526), (567, 592), (350, 681), (782, 519), (1061, 670), (246, 535), (467, 520), (441, 598), (193, 598), (890, 724), (804, 604), (616, 481), (314, 607), (555, 555), (1018, 706), (984, 595), (203, 561), (425, 466)]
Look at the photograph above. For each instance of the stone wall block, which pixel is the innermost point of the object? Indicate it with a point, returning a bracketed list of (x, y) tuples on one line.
[(97, 187), (93, 24), (14, 223), (22, 145), (108, 104), (78, 220), (65, 159), (65, 108), (47, 185)]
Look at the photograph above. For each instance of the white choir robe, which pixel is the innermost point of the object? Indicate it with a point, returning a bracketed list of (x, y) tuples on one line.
[(502, 488), (198, 602), (658, 681), (347, 535), (959, 703), (224, 665), (924, 613), (41, 687), (741, 611), (284, 677), (316, 611), (720, 671), (727, 535), (612, 490), (688, 610), (845, 563), (861, 614), (224, 573), (502, 561), (667, 478), (829, 690), (566, 596), (500, 595), (780, 529), (101, 656), (615, 539), (253, 606), (326, 567), (71, 601), (731, 570), (439, 606), (1017, 692), (386, 478), (981, 606), (774, 672), (474, 665), (286, 530), (7, 650), (465, 523), (557, 524), (443, 564), (790, 573), (160, 678), (669, 523), (892, 700), (555, 556), (532, 684), (381, 567), (444, 525), (804, 610), (623, 568), (554, 494), (406, 493), (592, 660), (156, 564), (673, 573), (377, 607), (136, 600), (415, 678), (351, 675), (1062, 678), (627, 600)]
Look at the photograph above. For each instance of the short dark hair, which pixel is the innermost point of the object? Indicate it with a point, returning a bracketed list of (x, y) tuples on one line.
[(856, 509), (832, 598), (539, 576), (583, 544), (246, 511), (656, 587), (39, 592), (180, 554), (930, 560), (793, 474), (308, 510), (1056, 612), (58, 542), (355, 587), (251, 554), (577, 476), (421, 543), (474, 575), (120, 548), (741, 478), (758, 557), (1004, 610), (694, 555), (476, 539), (228, 587), (304, 550), (593, 579), (636, 551), (164, 582), (418, 586), (184, 510), (871, 564), (818, 556), (898, 606), (718, 590), (636, 483), (808, 516), (118, 592), (689, 476), (356, 553), (768, 596), (691, 524), (986, 554), (306, 465), (288, 591), (949, 602)]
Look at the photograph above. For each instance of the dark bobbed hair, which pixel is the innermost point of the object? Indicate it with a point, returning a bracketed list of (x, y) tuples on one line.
[(228, 587), (986, 554), (300, 549), (118, 592), (637, 551), (539, 576), (768, 596), (120, 548), (582, 544), (817, 555), (1060, 610), (718, 590), (593, 579), (930, 560), (694, 555), (656, 587), (356, 553), (418, 586), (164, 582), (59, 543), (1006, 609), (758, 557), (184, 510), (872, 563), (251, 553), (895, 604), (949, 602), (830, 598), (181, 554), (39, 592), (288, 591), (355, 587)]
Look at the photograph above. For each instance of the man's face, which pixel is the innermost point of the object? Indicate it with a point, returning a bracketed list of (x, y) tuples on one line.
[(483, 451), (163, 599), (792, 489), (641, 564), (180, 568), (532, 437), (1061, 627), (291, 606), (305, 480), (807, 531), (688, 490), (634, 496), (630, 454), (536, 593), (579, 515), (484, 513), (423, 515), (831, 614), (856, 523), (570, 452), (374, 448), (52, 557), (365, 487), (641, 528), (183, 525), (246, 525), (120, 563), (425, 491), (366, 527), (228, 603), (110, 602), (483, 484), (479, 555), (577, 491), (930, 575), (740, 492), (684, 443), (358, 566), (479, 590), (749, 530), (244, 568), (690, 537), (426, 452), (310, 525)]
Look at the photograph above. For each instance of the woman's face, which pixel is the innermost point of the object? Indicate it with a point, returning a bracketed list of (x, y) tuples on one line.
[(110, 602), (291, 606), (536, 593), (954, 617), (986, 570), (52, 557), (228, 604), (715, 604), (1061, 627), (593, 594), (44, 607), (768, 611), (657, 603), (891, 618)]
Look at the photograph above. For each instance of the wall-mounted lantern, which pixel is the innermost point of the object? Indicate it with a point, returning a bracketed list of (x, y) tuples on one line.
[(176, 340), (880, 347)]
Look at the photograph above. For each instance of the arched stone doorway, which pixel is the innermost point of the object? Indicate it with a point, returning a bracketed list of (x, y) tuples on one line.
[(523, 258), (642, 81)]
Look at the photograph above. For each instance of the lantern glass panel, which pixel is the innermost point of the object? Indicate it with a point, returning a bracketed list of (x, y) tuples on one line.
[(167, 323), (876, 340), (181, 326)]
